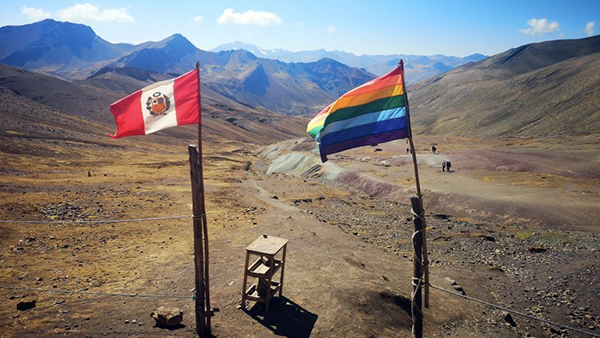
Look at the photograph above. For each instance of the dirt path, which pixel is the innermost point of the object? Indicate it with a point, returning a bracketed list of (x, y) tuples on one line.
[(265, 197), (558, 189), (543, 198)]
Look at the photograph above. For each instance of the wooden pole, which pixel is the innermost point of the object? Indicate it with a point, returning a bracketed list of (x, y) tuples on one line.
[(419, 195), (201, 324), (208, 309), (201, 263), (417, 314), (422, 216), (203, 204)]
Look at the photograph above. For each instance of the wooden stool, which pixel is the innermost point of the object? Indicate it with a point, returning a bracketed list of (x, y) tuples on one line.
[(264, 269)]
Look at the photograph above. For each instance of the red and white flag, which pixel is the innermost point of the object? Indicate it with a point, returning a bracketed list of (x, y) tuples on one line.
[(159, 106)]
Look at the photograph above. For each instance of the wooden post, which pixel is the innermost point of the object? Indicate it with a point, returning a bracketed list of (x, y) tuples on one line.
[(203, 207), (203, 309), (202, 306), (425, 260), (413, 151), (417, 314)]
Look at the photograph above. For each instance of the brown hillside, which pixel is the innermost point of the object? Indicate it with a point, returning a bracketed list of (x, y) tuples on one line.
[(535, 56), (477, 101), (76, 100), (79, 107)]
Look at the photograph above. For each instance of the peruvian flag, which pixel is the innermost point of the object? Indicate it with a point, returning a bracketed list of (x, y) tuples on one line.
[(159, 106)]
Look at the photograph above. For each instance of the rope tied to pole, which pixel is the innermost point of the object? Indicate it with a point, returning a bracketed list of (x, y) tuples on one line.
[(418, 285), (95, 221), (418, 232), (514, 312), (421, 216), (93, 293), (418, 272)]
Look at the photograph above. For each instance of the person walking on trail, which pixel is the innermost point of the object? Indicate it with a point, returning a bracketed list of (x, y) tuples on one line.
[(446, 166), (433, 149)]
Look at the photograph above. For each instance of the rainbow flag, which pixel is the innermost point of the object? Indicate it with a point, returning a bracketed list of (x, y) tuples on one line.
[(374, 112)]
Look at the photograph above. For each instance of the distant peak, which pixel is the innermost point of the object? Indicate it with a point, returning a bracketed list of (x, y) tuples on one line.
[(54, 23), (177, 38), (242, 53), (476, 57), (235, 45), (240, 44), (48, 21), (328, 60)]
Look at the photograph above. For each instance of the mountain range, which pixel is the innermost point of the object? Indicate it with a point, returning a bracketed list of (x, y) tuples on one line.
[(58, 48), (541, 89), (298, 84), (75, 52), (417, 67)]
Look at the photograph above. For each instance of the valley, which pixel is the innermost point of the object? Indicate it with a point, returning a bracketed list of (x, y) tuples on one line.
[(349, 260)]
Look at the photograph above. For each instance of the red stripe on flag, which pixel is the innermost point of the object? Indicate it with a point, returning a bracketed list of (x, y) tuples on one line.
[(128, 116), (186, 94), (393, 78)]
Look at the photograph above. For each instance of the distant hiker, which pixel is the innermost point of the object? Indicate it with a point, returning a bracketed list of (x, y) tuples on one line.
[(407, 150), (444, 166), (448, 165), (433, 149)]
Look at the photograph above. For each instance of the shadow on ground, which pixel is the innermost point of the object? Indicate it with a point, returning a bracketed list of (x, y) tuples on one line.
[(285, 318)]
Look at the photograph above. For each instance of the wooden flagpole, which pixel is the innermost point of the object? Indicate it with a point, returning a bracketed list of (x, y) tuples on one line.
[(202, 307), (420, 261), (198, 243), (419, 194), (417, 299), (208, 309)]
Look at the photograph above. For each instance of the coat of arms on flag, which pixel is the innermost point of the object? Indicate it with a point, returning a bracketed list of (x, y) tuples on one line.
[(159, 106)]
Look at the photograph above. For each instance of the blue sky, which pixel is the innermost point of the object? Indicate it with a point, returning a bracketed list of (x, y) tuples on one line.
[(422, 27)]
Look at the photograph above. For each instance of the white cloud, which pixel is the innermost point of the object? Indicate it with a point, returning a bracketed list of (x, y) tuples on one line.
[(331, 29), (540, 26), (259, 18), (590, 28), (88, 12), (35, 14), (197, 18)]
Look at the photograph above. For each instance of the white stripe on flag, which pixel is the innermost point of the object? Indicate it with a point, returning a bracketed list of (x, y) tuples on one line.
[(168, 119)]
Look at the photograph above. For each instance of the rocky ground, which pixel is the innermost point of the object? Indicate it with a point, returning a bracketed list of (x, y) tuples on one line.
[(348, 223)]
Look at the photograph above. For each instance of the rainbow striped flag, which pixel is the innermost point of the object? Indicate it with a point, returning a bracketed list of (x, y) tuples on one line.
[(372, 113)]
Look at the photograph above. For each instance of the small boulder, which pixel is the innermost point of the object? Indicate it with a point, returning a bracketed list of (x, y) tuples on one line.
[(536, 249), (167, 316), (26, 305), (509, 319)]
